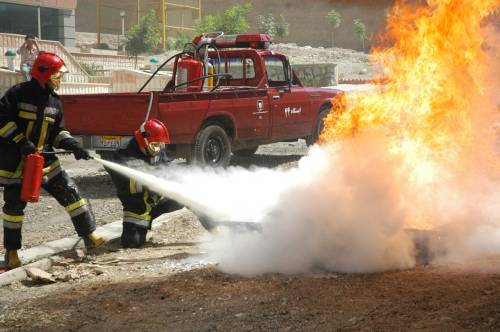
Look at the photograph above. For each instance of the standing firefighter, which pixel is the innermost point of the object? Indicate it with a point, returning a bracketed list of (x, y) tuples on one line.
[(140, 205), (31, 119)]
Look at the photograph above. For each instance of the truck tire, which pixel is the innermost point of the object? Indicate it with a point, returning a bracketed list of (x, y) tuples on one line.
[(245, 152), (318, 127), (212, 147)]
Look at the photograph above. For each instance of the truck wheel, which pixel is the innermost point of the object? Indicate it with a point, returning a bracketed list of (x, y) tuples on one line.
[(318, 127), (245, 152), (212, 147)]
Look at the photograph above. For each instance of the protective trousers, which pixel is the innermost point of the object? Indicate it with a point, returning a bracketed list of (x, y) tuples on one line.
[(64, 190), (141, 208)]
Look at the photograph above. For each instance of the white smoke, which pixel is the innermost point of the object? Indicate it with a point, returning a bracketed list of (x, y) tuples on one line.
[(340, 210), (344, 218), (336, 211)]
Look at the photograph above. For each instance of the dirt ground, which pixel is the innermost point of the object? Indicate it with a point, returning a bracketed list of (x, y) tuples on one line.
[(171, 286)]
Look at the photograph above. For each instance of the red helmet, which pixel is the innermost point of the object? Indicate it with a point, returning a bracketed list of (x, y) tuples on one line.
[(151, 131), (46, 65)]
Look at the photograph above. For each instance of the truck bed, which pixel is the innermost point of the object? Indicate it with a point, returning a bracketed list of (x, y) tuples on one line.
[(104, 114)]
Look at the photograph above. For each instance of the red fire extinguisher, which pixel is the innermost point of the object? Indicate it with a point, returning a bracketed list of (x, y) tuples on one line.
[(32, 177), (189, 69)]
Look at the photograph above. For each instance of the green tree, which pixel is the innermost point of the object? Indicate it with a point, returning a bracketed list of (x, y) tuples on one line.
[(232, 21), (178, 42), (143, 37), (282, 27), (360, 30), (266, 24), (269, 25), (334, 19)]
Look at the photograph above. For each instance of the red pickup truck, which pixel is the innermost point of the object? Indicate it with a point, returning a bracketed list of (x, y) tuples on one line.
[(229, 94)]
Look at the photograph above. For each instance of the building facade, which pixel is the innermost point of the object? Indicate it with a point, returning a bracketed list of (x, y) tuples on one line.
[(47, 19)]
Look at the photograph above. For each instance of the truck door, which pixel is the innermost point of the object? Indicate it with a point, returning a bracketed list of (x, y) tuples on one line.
[(249, 106), (290, 108)]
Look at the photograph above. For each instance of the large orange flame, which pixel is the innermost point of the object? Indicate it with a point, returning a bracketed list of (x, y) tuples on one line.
[(434, 66)]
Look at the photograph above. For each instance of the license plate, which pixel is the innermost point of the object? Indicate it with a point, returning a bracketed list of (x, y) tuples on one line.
[(110, 141)]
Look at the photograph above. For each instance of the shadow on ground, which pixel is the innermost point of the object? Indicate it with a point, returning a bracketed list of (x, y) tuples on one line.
[(429, 298)]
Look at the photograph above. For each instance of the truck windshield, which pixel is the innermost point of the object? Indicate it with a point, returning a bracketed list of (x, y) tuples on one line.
[(275, 69)]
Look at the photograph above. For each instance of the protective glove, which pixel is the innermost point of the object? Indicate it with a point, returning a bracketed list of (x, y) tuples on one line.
[(80, 153), (27, 147)]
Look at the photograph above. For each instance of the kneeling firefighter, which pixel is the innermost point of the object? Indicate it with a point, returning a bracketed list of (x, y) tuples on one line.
[(140, 205), (31, 121)]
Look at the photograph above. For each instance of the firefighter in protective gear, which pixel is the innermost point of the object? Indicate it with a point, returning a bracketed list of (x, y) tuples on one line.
[(140, 205), (31, 119)]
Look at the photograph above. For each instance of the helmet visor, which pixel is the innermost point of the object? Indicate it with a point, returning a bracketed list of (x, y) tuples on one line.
[(54, 81), (154, 148), (63, 69)]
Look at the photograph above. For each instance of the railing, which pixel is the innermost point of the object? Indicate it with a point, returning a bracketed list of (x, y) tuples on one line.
[(107, 62), (76, 74), (9, 78)]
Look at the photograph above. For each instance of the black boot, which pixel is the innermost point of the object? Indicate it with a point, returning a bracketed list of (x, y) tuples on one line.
[(142, 235), (130, 236), (133, 236)]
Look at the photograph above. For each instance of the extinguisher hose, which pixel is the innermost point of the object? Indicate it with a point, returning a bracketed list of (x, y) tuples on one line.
[(58, 153), (159, 68)]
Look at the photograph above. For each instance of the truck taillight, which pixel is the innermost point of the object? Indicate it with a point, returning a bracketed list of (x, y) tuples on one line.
[(256, 41)]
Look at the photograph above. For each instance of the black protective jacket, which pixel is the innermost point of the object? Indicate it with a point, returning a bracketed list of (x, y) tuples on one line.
[(30, 112), (140, 205)]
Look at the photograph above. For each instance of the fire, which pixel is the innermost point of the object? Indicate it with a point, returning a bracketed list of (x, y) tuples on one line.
[(435, 69)]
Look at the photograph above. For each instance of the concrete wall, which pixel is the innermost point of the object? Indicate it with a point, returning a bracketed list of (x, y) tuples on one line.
[(132, 80), (307, 19), (317, 75)]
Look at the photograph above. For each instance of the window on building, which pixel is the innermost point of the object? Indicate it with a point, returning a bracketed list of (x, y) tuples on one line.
[(23, 20)]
